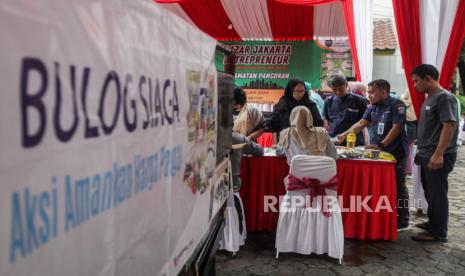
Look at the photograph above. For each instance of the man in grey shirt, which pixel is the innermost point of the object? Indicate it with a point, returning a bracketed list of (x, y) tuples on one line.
[(437, 150)]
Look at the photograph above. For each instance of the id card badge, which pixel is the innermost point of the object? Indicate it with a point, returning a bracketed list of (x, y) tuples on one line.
[(380, 128)]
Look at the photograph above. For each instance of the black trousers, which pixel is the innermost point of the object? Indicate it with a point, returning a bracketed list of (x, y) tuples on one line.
[(435, 184), (402, 192)]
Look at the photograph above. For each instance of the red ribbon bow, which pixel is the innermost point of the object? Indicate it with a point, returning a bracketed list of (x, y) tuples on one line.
[(316, 188)]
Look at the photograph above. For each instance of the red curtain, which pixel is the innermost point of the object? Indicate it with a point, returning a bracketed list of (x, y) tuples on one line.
[(407, 17), (453, 50), (305, 2), (168, 1), (348, 9), (210, 17), (288, 19)]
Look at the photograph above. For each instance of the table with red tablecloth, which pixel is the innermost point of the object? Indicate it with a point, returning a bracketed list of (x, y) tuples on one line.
[(263, 176)]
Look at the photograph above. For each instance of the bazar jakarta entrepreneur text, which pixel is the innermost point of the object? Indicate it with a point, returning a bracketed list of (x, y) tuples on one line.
[(36, 216)]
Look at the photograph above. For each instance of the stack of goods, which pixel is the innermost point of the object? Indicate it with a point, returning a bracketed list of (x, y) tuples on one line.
[(362, 153)]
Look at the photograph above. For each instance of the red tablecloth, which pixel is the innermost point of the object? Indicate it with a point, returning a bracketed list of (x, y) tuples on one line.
[(264, 176), (368, 178), (261, 176), (265, 140)]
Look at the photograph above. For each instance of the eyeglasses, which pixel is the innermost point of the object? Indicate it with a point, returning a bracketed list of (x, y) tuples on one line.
[(298, 91)]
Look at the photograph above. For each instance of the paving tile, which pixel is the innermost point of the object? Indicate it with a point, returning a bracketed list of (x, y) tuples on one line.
[(348, 271), (261, 269), (237, 264), (377, 268), (289, 267), (443, 257), (398, 264), (318, 271), (428, 270), (451, 268), (397, 272)]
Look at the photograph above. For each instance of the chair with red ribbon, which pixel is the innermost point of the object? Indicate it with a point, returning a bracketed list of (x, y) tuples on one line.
[(317, 190), (310, 219)]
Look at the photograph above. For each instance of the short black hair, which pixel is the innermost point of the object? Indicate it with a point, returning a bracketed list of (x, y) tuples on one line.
[(351, 79), (337, 80), (425, 70), (381, 84), (239, 96), (291, 84)]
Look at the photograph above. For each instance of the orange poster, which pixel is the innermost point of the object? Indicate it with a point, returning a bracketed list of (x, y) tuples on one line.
[(264, 96)]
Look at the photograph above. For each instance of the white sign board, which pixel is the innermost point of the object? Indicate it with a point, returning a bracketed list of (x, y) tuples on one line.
[(107, 138)]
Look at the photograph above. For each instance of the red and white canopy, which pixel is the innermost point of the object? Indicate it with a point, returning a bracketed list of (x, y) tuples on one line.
[(430, 31), (286, 20)]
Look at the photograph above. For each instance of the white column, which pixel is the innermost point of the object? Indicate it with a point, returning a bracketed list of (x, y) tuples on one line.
[(363, 21)]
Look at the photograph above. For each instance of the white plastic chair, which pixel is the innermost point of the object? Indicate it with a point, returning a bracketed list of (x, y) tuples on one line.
[(308, 230)]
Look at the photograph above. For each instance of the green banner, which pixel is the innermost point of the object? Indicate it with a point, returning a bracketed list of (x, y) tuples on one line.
[(270, 64), (263, 68)]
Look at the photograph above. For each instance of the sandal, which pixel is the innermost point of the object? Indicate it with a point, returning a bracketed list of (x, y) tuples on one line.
[(423, 225), (428, 237)]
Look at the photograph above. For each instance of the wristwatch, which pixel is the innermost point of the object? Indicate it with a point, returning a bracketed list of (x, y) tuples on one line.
[(381, 145)]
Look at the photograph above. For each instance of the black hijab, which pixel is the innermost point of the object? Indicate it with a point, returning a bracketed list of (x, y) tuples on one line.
[(282, 110), (290, 89)]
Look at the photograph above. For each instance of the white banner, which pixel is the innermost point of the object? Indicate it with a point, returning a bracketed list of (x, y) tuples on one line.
[(107, 138)]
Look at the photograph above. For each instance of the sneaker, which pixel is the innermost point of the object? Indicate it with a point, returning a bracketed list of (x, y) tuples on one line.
[(403, 227)]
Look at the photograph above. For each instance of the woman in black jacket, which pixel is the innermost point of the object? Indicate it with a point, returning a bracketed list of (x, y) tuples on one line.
[(294, 95)]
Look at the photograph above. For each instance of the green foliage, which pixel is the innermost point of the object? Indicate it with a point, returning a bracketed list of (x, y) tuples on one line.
[(461, 61), (462, 101)]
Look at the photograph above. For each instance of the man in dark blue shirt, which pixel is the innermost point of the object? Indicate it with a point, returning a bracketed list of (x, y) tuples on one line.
[(386, 117), (343, 109)]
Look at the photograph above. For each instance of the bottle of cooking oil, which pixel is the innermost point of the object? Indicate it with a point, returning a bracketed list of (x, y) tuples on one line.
[(351, 139)]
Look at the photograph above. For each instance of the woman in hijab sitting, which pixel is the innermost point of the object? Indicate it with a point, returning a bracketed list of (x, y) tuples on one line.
[(295, 94), (302, 137), (248, 120)]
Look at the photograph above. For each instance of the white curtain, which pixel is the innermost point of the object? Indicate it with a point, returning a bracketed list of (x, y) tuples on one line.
[(328, 22), (436, 19), (176, 9), (363, 21), (249, 18)]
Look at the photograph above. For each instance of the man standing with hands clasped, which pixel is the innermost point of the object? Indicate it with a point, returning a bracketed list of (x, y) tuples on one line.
[(437, 150), (386, 117)]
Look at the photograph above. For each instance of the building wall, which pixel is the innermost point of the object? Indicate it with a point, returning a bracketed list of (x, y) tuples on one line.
[(390, 68)]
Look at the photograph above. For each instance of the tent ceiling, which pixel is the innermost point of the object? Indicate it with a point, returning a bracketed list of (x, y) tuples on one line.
[(262, 19)]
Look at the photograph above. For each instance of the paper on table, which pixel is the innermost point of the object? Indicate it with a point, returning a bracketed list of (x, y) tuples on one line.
[(269, 152)]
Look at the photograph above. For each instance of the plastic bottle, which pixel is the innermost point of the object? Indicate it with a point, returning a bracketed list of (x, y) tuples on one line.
[(351, 139)]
